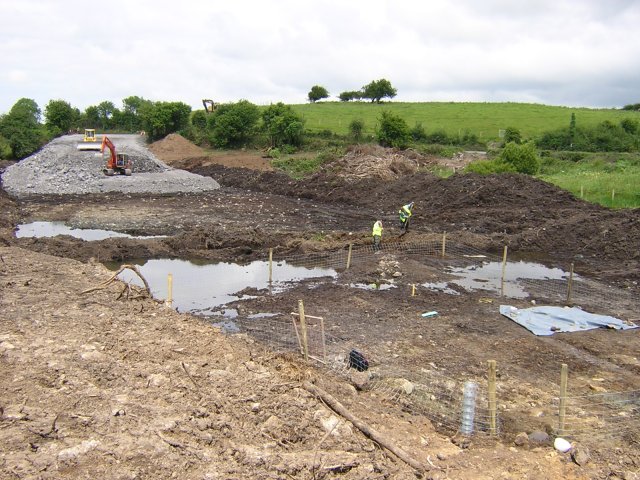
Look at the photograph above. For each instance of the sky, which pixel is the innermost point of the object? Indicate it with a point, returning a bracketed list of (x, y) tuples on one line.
[(555, 52)]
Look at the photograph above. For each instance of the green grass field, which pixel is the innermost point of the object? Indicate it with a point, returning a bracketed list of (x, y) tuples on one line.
[(483, 119), (609, 179)]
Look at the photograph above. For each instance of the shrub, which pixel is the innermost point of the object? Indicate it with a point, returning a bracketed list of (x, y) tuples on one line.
[(523, 158), (393, 131), (487, 167), (418, 133), (356, 128)]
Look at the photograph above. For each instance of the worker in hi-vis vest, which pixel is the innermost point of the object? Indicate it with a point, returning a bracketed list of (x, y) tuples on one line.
[(377, 235), (405, 215)]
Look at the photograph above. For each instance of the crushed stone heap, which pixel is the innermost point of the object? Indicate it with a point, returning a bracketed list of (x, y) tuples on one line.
[(60, 169)]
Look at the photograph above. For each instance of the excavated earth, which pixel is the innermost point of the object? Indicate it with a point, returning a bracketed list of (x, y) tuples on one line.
[(98, 380)]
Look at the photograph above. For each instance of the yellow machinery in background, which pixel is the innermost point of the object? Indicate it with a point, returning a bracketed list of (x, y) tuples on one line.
[(90, 141)]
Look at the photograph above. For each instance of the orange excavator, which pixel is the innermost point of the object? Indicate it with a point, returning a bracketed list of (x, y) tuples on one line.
[(117, 163)]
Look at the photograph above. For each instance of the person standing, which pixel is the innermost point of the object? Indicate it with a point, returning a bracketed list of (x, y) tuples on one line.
[(377, 235), (405, 216)]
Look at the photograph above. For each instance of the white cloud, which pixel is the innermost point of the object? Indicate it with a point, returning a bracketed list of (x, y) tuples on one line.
[(565, 52)]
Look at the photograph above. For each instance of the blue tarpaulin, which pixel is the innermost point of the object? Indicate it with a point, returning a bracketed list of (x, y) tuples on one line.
[(545, 320)]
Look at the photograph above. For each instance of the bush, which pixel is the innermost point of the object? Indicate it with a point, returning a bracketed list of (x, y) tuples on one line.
[(233, 124), (523, 158), (512, 134), (418, 133), (356, 128), (393, 131), (487, 167), (282, 125)]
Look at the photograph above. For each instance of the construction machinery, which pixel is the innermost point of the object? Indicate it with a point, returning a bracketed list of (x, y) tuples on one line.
[(89, 141), (117, 163), (209, 105)]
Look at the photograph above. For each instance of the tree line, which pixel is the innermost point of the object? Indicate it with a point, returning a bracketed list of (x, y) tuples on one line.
[(374, 91)]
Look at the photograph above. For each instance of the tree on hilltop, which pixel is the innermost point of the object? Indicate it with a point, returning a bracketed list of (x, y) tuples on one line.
[(317, 92), (378, 89)]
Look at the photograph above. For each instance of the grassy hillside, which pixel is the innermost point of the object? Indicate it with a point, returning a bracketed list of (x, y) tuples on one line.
[(483, 119)]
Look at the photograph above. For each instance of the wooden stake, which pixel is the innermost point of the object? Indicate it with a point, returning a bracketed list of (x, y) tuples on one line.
[(444, 244), (504, 268), (581, 191), (413, 290), (613, 194), (564, 380), (303, 327), (349, 256), (492, 398), (170, 291), (270, 265), (324, 343), (570, 284)]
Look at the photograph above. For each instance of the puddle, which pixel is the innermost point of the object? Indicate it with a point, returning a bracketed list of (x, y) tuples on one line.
[(442, 287), (54, 229), (487, 276), (203, 288), (372, 286)]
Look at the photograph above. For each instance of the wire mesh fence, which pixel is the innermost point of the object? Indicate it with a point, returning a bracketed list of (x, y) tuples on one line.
[(444, 400), (601, 417)]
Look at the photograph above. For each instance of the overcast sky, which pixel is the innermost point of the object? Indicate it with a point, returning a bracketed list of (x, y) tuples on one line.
[(555, 52)]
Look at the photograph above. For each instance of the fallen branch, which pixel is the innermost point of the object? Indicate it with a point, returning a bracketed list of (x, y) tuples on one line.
[(115, 275), (363, 427)]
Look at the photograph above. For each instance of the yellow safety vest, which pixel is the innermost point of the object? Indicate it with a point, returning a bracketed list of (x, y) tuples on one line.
[(377, 229)]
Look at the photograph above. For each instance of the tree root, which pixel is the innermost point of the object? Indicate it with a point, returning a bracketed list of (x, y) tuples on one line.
[(126, 287)]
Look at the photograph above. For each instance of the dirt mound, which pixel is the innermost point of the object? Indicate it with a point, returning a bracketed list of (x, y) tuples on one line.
[(175, 147), (372, 161)]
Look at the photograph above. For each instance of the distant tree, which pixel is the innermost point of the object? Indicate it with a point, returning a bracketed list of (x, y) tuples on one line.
[(159, 119), (572, 128), (512, 134), (633, 106), (282, 125), (5, 149), (21, 128), (90, 117), (523, 158), (106, 111), (317, 93), (356, 128), (60, 117), (233, 124), (393, 131), (199, 120), (378, 89), (350, 95), (130, 118)]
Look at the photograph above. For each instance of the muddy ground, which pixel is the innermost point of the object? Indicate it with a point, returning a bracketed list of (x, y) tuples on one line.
[(104, 384)]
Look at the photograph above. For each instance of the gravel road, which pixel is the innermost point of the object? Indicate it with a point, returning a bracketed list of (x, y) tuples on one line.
[(60, 169)]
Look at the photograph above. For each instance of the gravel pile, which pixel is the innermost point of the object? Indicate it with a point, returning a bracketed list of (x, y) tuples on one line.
[(60, 169)]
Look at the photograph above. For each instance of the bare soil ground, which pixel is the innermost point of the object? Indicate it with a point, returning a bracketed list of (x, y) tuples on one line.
[(110, 383)]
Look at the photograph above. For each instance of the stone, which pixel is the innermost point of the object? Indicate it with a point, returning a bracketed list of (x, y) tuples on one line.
[(521, 439), (580, 455)]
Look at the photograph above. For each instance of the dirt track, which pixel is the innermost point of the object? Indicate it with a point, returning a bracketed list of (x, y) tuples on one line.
[(150, 392)]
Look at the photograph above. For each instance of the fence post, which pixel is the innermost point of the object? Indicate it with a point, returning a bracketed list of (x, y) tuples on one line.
[(581, 191), (493, 430), (349, 256), (303, 327), (270, 265), (564, 379), (504, 267), (413, 290), (570, 284), (444, 243), (170, 291)]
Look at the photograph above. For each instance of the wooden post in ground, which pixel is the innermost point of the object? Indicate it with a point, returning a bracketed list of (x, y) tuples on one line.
[(613, 195), (324, 342), (170, 291), (570, 284), (444, 244), (303, 327), (504, 267), (413, 290), (581, 191), (491, 388), (349, 256), (270, 265), (562, 411)]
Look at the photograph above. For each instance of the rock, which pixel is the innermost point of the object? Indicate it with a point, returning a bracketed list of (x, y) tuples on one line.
[(521, 439), (539, 437), (561, 445), (580, 455)]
